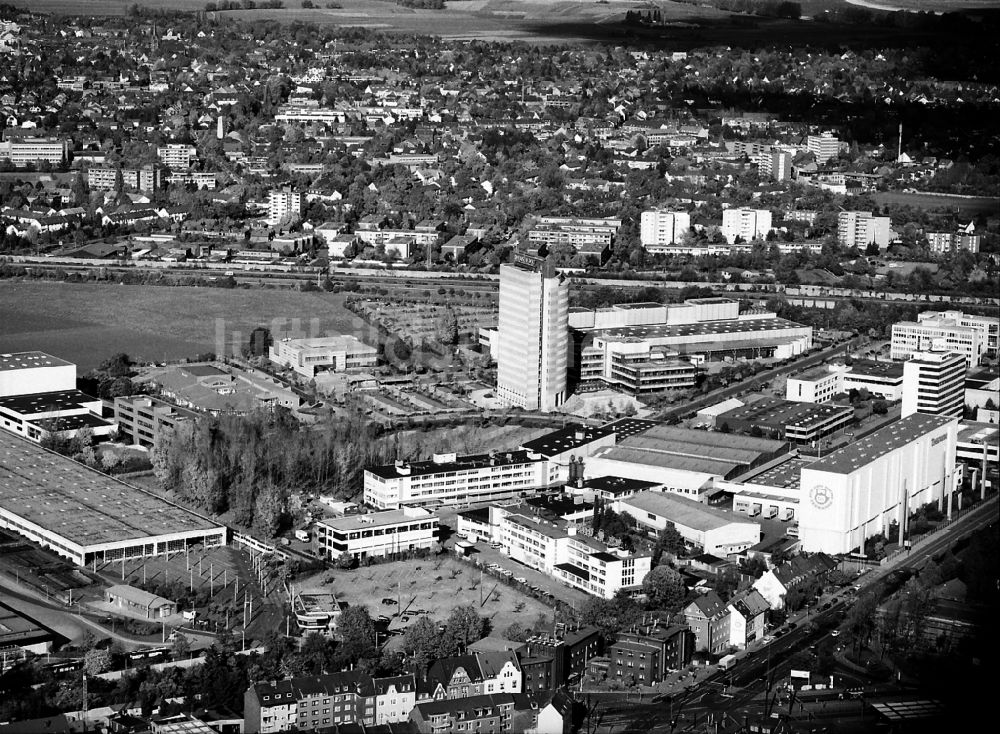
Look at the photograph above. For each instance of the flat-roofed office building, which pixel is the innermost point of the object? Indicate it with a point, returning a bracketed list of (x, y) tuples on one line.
[(450, 479), (934, 383), (970, 335), (378, 534)]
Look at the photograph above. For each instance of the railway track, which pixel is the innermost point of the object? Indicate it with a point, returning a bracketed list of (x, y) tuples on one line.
[(420, 280)]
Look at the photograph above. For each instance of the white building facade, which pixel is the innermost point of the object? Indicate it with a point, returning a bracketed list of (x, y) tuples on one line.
[(857, 491), (378, 534), (745, 224), (533, 344), (934, 383), (952, 331), (308, 357), (449, 479), (660, 229), (860, 229)]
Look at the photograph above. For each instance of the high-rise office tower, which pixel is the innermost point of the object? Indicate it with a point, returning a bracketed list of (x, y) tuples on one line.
[(533, 335), (934, 384)]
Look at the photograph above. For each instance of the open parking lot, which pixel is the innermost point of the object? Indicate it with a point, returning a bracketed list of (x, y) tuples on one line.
[(432, 586)]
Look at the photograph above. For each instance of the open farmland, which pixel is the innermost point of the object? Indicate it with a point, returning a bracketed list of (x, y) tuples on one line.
[(496, 20), (433, 585), (85, 322)]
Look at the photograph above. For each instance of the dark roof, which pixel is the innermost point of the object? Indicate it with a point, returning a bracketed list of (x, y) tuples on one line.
[(604, 556), (710, 604), (876, 369), (479, 514), (558, 505), (45, 402), (443, 670), (618, 485), (626, 427), (72, 422), (565, 439), (777, 413), (17, 628)]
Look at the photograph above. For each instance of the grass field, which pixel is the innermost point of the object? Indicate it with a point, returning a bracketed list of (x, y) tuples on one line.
[(85, 323), (967, 206), (436, 585)]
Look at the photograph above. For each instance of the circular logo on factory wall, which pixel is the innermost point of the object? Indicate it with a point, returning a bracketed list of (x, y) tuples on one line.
[(821, 496)]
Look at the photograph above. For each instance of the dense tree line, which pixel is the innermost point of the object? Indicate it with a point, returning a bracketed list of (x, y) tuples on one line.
[(251, 465)]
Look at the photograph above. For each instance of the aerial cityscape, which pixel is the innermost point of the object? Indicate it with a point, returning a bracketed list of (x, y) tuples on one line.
[(499, 366)]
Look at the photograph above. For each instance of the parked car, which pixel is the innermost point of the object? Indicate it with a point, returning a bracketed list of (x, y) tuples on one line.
[(389, 602), (521, 580)]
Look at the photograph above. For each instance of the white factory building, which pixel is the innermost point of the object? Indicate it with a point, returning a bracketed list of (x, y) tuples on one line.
[(27, 373), (38, 398), (697, 329), (683, 461), (857, 491), (716, 532)]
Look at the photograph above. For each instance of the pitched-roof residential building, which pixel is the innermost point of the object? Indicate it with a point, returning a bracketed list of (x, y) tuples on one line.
[(747, 615), (775, 584), (480, 673), (324, 701), (708, 618)]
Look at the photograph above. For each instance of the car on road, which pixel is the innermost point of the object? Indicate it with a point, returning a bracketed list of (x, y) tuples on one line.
[(389, 602), (792, 625), (496, 546), (835, 633)]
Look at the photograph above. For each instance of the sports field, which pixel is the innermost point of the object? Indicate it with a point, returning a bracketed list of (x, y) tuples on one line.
[(87, 322)]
